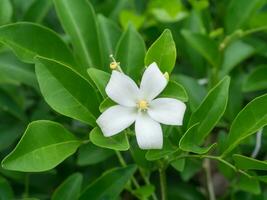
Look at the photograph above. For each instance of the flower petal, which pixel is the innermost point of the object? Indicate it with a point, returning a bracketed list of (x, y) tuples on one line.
[(115, 119), (152, 83), (148, 132), (167, 111), (122, 89)]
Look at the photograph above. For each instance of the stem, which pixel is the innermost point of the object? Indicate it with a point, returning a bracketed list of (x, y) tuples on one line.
[(26, 189), (147, 182), (124, 164), (163, 184), (210, 187)]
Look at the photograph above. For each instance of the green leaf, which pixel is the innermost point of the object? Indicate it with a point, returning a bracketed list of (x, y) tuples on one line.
[(44, 42), (178, 164), (109, 185), (189, 141), (90, 154), (43, 146), (163, 52), (66, 91), (210, 110), (100, 79), (70, 189), (110, 34), (105, 104), (248, 121), (6, 11), (130, 52), (175, 90), (118, 142), (204, 45), (234, 54), (6, 192), (195, 92), (145, 192), (127, 17), (250, 185), (247, 163), (238, 13), (15, 72), (37, 11), (256, 80), (79, 21)]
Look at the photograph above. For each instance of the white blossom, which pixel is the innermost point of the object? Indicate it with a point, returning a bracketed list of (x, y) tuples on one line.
[(140, 106)]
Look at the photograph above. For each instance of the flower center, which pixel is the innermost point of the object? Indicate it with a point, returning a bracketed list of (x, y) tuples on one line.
[(142, 105), (113, 65)]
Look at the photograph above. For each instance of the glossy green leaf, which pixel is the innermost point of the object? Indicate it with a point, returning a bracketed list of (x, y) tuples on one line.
[(43, 146), (110, 34), (205, 46), (109, 185), (234, 54), (90, 154), (70, 189), (163, 52), (249, 120), (130, 52), (67, 92), (105, 104), (237, 13), (145, 191), (247, 163), (175, 90), (256, 80), (6, 11), (100, 79), (6, 192), (190, 142), (37, 11), (79, 21), (210, 110), (44, 42), (118, 142)]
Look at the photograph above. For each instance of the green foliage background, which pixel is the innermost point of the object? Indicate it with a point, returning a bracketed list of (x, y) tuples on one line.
[(54, 66)]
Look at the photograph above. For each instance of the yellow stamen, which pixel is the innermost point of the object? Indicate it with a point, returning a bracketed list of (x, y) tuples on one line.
[(113, 65), (142, 104)]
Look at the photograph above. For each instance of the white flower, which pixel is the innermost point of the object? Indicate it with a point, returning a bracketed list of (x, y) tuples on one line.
[(140, 106)]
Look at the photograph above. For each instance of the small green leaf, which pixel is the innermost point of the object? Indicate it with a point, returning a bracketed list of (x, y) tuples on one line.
[(100, 79), (210, 110), (163, 52), (90, 154), (79, 21), (70, 189), (66, 91), (43, 146), (106, 104), (247, 184), (247, 163), (175, 90), (109, 185), (189, 141), (118, 142), (145, 192), (205, 46), (234, 54), (130, 52), (248, 121), (256, 80), (178, 164)]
